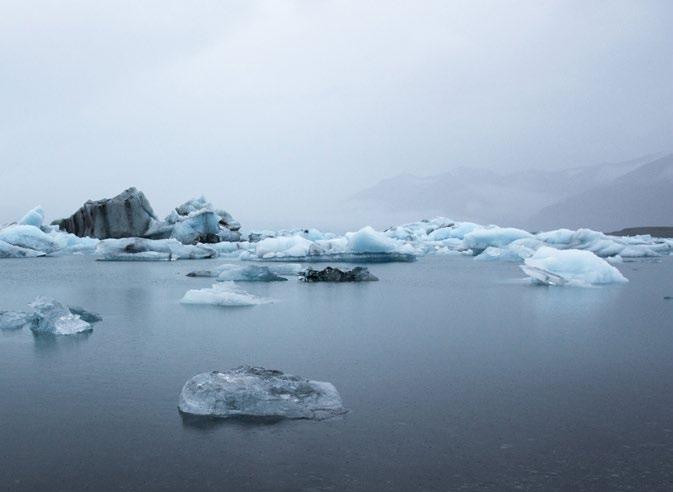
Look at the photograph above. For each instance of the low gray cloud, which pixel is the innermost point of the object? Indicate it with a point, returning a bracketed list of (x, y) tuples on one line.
[(277, 110)]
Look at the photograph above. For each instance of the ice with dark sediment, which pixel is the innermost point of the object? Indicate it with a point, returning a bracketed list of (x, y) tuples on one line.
[(255, 392), (329, 274)]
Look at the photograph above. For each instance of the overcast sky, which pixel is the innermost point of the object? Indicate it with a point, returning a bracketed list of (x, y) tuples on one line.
[(276, 109)]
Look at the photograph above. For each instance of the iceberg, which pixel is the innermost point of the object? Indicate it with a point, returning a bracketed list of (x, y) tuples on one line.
[(259, 393), (128, 214), (329, 274), (197, 220), (137, 249), (222, 294), (34, 217), (10, 251), (29, 237), (480, 239), (15, 320), (364, 246), (247, 273), (52, 317), (550, 266), (368, 240)]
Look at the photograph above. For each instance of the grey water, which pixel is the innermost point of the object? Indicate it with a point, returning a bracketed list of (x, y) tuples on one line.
[(457, 374)]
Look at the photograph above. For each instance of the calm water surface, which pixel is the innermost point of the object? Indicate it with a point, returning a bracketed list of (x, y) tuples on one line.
[(457, 375)]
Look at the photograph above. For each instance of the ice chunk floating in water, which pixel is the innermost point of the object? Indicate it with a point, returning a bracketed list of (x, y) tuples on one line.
[(52, 317), (258, 392), (549, 266), (222, 294), (329, 274)]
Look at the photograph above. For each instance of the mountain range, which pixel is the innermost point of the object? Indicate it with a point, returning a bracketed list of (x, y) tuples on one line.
[(608, 196)]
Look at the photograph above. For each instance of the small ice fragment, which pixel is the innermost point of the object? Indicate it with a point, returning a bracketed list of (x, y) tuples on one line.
[(54, 318)]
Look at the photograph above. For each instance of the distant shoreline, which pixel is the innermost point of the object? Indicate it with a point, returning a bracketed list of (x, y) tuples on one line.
[(656, 231)]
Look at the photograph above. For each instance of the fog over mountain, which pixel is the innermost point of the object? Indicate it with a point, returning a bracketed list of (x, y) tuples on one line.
[(606, 196), (277, 111), (641, 197)]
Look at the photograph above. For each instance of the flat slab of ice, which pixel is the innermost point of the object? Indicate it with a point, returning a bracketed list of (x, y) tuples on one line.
[(257, 392), (223, 294), (550, 266)]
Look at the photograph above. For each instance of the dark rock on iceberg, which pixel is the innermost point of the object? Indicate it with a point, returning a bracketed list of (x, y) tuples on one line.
[(87, 316), (258, 393), (129, 214), (329, 274), (202, 273)]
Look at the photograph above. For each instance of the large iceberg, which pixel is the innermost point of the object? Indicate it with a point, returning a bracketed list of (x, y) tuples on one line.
[(130, 214), (259, 393), (550, 266), (222, 294)]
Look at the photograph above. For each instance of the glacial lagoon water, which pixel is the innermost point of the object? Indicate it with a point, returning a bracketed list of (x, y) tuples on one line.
[(457, 375)]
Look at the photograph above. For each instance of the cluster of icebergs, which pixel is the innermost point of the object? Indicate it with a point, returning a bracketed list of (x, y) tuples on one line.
[(30, 237)]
